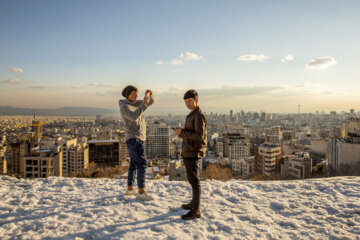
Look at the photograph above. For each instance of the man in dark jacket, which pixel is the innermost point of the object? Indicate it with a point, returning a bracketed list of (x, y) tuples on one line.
[(194, 147)]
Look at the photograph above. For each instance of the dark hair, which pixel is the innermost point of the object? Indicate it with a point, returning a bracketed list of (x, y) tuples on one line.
[(128, 90), (191, 94)]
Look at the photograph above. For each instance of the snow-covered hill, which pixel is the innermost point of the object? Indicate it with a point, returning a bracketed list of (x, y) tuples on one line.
[(71, 208)]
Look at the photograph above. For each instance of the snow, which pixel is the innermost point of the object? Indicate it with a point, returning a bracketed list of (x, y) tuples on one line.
[(74, 208)]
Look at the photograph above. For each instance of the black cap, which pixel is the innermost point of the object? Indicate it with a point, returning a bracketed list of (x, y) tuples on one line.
[(128, 90)]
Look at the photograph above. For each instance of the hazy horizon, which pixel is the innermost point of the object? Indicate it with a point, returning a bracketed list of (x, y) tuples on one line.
[(239, 55), (166, 112)]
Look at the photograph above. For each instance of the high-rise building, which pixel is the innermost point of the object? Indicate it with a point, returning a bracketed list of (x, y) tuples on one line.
[(236, 146), (157, 143), (78, 158), (273, 135), (18, 150), (231, 116), (343, 157), (104, 152), (15, 159), (344, 152), (267, 159), (43, 162), (66, 144)]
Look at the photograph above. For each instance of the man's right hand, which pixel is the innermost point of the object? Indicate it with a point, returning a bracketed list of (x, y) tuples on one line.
[(146, 100), (148, 93)]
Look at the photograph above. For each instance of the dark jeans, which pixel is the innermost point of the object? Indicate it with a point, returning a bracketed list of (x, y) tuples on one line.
[(138, 162), (192, 171)]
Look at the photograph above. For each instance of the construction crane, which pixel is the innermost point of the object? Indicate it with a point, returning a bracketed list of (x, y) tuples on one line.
[(35, 123), (36, 126)]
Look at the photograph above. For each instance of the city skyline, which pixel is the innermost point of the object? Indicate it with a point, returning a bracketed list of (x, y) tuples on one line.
[(238, 55)]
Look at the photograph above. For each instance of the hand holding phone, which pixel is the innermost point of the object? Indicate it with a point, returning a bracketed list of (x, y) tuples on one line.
[(177, 130), (148, 93)]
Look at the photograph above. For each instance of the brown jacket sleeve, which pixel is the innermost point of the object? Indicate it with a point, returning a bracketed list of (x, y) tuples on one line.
[(198, 133)]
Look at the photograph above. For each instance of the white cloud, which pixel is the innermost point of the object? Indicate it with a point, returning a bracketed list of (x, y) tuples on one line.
[(106, 85), (159, 62), (15, 70), (321, 63), (252, 58), (229, 91), (183, 57), (190, 56), (17, 81), (226, 91), (109, 93), (47, 87), (14, 81), (288, 58), (77, 87), (175, 61)]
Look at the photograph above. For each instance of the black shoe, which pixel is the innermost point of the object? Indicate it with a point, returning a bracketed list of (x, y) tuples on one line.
[(192, 214), (188, 206)]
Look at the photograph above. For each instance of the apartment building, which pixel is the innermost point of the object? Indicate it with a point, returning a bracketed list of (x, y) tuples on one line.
[(157, 144), (66, 144), (273, 135), (75, 155), (43, 162), (267, 159), (236, 146), (78, 158), (243, 166), (344, 152), (296, 166)]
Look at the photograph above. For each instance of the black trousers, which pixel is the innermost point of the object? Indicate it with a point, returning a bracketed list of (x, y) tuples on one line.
[(192, 171)]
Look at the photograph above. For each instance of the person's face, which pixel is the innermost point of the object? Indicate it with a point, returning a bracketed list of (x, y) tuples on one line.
[(133, 96), (191, 103)]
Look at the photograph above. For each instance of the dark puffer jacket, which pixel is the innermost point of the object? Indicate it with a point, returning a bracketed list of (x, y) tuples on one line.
[(194, 135)]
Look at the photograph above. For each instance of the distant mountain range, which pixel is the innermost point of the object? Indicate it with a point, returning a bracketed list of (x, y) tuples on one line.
[(64, 111)]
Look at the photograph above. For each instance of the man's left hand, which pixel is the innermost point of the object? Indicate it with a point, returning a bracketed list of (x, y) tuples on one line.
[(177, 131)]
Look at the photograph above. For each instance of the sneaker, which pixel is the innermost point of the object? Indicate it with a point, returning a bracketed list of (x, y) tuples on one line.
[(129, 193), (144, 197), (188, 206), (192, 214)]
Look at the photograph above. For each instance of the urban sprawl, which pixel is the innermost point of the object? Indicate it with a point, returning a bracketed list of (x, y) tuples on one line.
[(248, 145)]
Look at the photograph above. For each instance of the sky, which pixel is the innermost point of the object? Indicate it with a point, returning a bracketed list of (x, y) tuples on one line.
[(242, 55)]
